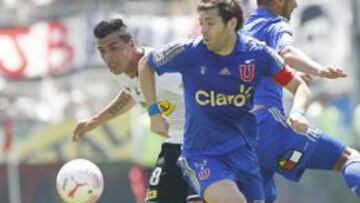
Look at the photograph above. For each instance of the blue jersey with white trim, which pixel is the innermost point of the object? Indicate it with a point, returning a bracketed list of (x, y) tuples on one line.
[(218, 90), (275, 31)]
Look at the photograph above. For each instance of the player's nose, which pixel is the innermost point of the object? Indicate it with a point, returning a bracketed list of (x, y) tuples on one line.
[(108, 60), (204, 31)]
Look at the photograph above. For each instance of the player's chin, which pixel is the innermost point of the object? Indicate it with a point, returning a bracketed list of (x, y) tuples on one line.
[(211, 47), (115, 72)]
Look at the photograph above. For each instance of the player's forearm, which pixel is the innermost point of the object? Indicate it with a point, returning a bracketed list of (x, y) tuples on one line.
[(298, 60), (302, 98), (301, 93), (122, 103), (147, 83)]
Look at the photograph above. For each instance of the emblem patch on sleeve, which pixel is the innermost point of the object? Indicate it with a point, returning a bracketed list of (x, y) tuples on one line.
[(289, 160)]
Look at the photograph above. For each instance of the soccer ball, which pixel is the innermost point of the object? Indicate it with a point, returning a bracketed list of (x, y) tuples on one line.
[(79, 181)]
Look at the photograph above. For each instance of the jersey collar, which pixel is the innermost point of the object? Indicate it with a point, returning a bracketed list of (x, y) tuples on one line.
[(263, 12)]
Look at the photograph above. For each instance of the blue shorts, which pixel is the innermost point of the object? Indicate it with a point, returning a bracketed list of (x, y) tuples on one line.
[(284, 151), (240, 165)]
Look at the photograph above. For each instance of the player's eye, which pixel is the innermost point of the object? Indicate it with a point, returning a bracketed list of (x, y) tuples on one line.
[(113, 48), (102, 51), (208, 23), (201, 22)]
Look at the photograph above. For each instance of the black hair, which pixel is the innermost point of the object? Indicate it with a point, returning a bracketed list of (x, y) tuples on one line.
[(263, 2), (228, 9), (106, 27)]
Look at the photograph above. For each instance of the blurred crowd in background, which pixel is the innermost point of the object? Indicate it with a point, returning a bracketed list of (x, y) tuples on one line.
[(51, 76)]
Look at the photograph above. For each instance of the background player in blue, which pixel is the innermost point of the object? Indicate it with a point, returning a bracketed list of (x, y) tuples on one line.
[(219, 70), (281, 149)]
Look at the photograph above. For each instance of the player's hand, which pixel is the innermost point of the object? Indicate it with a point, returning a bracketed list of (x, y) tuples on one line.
[(306, 78), (159, 125), (82, 127), (298, 122), (332, 72)]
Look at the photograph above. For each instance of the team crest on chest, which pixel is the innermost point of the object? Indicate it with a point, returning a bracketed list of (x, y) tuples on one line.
[(247, 72)]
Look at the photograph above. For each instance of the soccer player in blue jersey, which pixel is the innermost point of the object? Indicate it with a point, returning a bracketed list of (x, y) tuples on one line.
[(281, 149), (219, 71)]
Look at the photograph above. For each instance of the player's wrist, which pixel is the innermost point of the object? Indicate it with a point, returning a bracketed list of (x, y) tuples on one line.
[(321, 71), (154, 109), (297, 112)]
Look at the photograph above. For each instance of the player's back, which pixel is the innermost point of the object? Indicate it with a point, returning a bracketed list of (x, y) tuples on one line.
[(266, 27)]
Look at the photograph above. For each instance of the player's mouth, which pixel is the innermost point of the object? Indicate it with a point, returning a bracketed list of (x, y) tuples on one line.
[(112, 68)]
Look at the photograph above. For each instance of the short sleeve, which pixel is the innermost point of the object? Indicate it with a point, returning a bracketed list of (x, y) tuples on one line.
[(280, 36), (276, 67), (173, 57)]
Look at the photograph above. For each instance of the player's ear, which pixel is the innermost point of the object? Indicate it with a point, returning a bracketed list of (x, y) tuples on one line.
[(232, 23), (131, 43), (279, 2)]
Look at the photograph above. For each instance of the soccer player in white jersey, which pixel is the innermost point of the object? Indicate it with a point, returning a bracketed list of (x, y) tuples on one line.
[(121, 55)]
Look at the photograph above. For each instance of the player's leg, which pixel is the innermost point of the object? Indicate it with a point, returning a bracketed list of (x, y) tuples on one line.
[(331, 154), (349, 164), (211, 178), (270, 190), (280, 148), (248, 176), (166, 183), (351, 170), (224, 191)]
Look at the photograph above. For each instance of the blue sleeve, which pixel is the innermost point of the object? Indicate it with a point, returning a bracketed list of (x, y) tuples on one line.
[(173, 57), (276, 67), (280, 36)]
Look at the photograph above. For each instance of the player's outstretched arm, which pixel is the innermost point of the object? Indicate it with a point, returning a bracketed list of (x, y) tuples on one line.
[(158, 123), (302, 96), (119, 105), (298, 60)]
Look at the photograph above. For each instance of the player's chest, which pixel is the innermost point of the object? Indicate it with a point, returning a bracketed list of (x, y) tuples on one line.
[(223, 76)]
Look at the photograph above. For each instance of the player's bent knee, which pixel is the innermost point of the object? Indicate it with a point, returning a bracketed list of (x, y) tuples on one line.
[(224, 191), (227, 199), (347, 155), (351, 173), (354, 154)]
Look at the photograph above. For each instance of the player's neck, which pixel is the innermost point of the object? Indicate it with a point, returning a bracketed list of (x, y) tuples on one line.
[(229, 45), (272, 9), (133, 69)]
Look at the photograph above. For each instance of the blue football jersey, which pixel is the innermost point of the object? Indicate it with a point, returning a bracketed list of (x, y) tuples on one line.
[(275, 31), (218, 90)]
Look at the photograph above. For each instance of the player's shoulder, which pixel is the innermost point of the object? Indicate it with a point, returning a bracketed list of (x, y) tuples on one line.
[(280, 24), (193, 43), (166, 53), (185, 43), (267, 19), (249, 43), (177, 47), (256, 48)]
